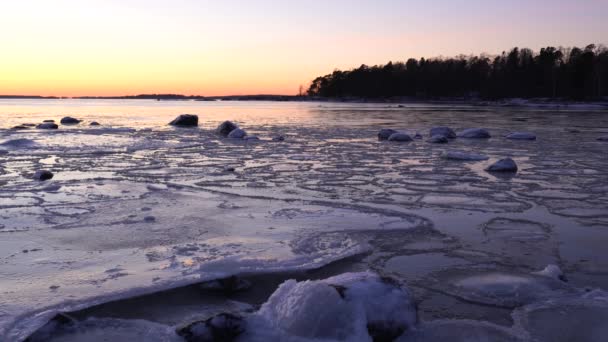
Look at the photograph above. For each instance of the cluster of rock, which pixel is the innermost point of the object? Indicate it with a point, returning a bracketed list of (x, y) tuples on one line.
[(442, 135), (226, 129), (50, 124)]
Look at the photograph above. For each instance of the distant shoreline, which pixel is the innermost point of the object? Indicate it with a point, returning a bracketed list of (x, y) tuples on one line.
[(507, 102)]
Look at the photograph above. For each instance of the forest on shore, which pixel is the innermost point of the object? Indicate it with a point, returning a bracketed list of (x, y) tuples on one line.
[(559, 73)]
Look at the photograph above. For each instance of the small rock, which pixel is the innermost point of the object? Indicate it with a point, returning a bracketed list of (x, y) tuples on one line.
[(43, 175), (94, 123), (503, 165), (475, 133), (467, 156), (385, 133), (229, 169), (47, 125), (149, 219), (185, 120), (68, 120), (237, 134), (223, 327), (521, 136), (20, 127), (48, 120), (603, 138), (228, 285), (278, 138), (400, 137), (438, 139), (442, 130), (418, 136), (225, 128)]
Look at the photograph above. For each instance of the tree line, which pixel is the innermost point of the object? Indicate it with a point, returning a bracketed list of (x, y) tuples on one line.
[(568, 73)]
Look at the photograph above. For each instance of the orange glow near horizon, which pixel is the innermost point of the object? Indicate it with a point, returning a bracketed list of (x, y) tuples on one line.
[(128, 47)]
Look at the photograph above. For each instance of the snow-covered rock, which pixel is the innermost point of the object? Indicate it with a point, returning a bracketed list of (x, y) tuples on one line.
[(348, 307), (461, 155), (475, 133), (445, 131), (400, 137), (225, 128), (385, 133), (521, 136), (503, 165), (223, 327), (43, 175), (47, 125), (68, 120), (438, 139), (237, 134), (185, 120)]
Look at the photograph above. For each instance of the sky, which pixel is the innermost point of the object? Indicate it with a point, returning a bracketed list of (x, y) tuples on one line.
[(229, 47)]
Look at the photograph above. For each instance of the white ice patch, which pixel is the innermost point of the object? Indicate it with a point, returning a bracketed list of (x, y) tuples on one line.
[(340, 308)]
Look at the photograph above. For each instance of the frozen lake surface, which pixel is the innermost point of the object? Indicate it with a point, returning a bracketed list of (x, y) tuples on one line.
[(136, 207)]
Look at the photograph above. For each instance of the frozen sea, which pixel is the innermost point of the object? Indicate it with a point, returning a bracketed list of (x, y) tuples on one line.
[(138, 213)]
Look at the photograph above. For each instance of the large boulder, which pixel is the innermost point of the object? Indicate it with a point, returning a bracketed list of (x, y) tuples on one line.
[(185, 120), (68, 120), (445, 131), (521, 136), (400, 137), (225, 128), (475, 133), (385, 133), (47, 125), (237, 134), (438, 139), (503, 165)]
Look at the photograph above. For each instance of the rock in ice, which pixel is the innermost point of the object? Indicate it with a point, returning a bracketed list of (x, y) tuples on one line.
[(47, 125), (503, 165), (445, 131), (237, 134), (475, 133), (43, 175), (385, 133), (521, 136), (438, 139), (68, 120), (185, 120), (225, 128), (400, 137), (461, 155)]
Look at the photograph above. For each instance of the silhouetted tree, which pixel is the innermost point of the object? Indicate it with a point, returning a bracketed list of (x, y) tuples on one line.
[(552, 72)]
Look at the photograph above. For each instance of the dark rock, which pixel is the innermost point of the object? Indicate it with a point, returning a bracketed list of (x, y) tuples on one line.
[(43, 175), (237, 134), (47, 125), (28, 125), (385, 133), (221, 328), (61, 321), (225, 128), (418, 136), (503, 165), (384, 332), (20, 127), (68, 120), (475, 133), (521, 136), (185, 120), (228, 285), (149, 219), (400, 137), (603, 138), (278, 138), (445, 131), (438, 139), (466, 156), (48, 120), (94, 123)]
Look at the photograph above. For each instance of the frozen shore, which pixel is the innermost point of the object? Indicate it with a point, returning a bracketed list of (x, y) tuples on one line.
[(136, 207)]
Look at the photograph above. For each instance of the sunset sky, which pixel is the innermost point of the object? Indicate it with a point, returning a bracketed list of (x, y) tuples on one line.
[(200, 47)]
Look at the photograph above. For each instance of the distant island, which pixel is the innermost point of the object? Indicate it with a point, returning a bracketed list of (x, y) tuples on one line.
[(579, 74)]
